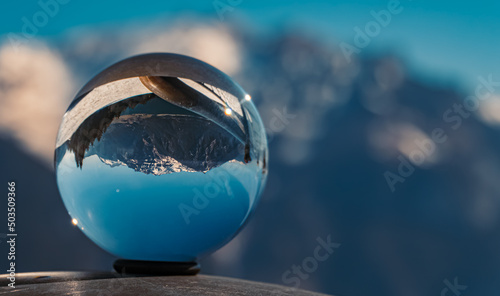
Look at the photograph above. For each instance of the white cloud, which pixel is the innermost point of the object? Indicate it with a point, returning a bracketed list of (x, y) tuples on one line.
[(35, 86)]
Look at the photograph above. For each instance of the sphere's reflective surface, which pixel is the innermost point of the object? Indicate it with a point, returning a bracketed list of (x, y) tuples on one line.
[(161, 157)]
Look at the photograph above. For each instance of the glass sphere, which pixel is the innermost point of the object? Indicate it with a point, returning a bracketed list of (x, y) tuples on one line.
[(161, 157)]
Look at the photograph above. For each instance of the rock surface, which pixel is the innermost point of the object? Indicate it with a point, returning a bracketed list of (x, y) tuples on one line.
[(104, 283)]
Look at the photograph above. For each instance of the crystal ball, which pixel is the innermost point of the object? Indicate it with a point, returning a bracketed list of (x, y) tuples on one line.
[(161, 157)]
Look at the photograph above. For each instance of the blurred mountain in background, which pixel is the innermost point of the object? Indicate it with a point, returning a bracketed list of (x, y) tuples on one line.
[(352, 158)]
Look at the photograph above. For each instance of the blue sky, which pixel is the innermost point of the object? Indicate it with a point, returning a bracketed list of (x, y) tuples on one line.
[(454, 41)]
